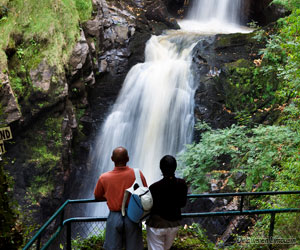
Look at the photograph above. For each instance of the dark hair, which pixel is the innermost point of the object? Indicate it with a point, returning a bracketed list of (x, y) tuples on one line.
[(168, 165)]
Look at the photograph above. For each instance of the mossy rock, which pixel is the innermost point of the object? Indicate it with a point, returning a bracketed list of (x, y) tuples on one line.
[(241, 63), (235, 39)]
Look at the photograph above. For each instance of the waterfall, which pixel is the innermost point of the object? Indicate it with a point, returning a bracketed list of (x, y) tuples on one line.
[(154, 113), (225, 11), (214, 16)]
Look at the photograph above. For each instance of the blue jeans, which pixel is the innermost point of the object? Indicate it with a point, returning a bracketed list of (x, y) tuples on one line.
[(121, 231)]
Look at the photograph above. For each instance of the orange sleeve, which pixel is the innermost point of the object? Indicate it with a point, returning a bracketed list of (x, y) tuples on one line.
[(143, 179), (99, 191)]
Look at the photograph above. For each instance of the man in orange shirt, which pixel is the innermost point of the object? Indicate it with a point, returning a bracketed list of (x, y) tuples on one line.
[(111, 187)]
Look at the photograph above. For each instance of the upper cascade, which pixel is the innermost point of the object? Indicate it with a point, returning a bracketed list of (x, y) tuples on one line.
[(226, 11), (214, 16)]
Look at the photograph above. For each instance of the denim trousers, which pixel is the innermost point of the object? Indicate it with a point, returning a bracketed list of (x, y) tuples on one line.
[(121, 231)]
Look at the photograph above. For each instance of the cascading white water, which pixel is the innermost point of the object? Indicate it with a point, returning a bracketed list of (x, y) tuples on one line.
[(226, 11), (214, 16), (153, 114)]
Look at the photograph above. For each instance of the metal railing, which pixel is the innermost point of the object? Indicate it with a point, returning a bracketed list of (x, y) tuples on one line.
[(60, 212), (66, 223)]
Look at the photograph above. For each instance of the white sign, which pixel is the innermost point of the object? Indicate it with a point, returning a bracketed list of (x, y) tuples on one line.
[(5, 134), (2, 149)]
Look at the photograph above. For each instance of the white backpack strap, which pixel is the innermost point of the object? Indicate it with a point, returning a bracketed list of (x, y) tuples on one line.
[(138, 178), (125, 197), (130, 190)]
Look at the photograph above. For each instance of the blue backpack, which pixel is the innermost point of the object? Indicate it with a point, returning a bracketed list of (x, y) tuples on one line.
[(140, 202)]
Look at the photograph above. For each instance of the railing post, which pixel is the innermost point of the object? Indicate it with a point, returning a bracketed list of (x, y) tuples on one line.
[(62, 217), (272, 223), (69, 247), (38, 244), (242, 203)]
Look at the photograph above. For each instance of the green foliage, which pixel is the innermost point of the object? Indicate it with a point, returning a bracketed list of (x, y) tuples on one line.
[(84, 8), (285, 224), (10, 236), (42, 29), (90, 243), (192, 237), (248, 90), (281, 56), (45, 148), (267, 156), (291, 114), (289, 4), (257, 152), (287, 179), (253, 91), (17, 84)]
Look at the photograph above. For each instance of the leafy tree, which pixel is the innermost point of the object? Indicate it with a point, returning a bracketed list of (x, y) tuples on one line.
[(258, 152)]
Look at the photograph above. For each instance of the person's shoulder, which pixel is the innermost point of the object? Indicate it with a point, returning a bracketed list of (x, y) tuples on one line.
[(106, 174), (156, 184), (181, 181)]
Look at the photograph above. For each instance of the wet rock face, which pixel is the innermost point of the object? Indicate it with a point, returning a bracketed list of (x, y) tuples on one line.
[(263, 12), (210, 57), (117, 31), (174, 5), (209, 102)]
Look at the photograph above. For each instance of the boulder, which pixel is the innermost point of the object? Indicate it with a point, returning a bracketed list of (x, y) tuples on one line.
[(9, 108), (49, 88)]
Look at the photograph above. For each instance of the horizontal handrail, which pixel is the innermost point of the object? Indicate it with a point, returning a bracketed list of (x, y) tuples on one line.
[(244, 212), (84, 219), (212, 195), (84, 201)]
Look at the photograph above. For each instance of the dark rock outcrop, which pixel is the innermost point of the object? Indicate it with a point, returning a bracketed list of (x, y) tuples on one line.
[(263, 12), (209, 61)]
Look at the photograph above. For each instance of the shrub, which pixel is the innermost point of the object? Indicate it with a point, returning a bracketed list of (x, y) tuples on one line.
[(257, 152)]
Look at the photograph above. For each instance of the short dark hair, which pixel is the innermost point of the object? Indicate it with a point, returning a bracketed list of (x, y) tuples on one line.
[(168, 165)]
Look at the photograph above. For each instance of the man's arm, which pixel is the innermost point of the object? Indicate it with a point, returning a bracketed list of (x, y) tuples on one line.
[(99, 191)]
